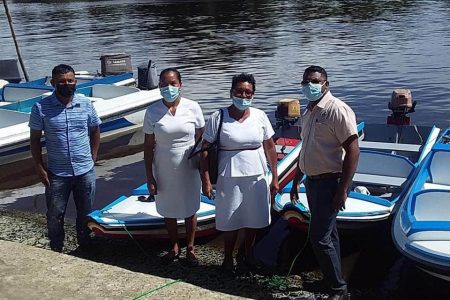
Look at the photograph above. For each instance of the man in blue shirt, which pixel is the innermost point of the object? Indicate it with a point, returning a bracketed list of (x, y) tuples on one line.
[(72, 136)]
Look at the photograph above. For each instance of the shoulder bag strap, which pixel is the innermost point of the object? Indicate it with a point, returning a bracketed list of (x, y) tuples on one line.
[(193, 152), (220, 128)]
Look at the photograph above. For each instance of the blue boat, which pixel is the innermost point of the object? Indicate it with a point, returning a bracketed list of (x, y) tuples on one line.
[(15, 92), (135, 215), (389, 156), (421, 228), (121, 109)]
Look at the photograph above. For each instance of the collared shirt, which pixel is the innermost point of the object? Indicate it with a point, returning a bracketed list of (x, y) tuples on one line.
[(325, 128), (66, 130)]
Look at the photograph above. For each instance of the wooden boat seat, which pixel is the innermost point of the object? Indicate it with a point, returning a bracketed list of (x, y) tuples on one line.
[(16, 92), (108, 91), (382, 168), (434, 186), (432, 206), (439, 168), (379, 180), (389, 146)]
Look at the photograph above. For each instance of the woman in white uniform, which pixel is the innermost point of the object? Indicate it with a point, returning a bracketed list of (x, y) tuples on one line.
[(171, 127), (243, 196)]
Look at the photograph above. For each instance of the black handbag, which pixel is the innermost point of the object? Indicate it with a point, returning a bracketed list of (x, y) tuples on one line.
[(213, 153)]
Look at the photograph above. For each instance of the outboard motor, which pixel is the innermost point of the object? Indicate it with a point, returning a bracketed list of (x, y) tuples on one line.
[(401, 104), (287, 113), (287, 128), (9, 70), (147, 76), (113, 64)]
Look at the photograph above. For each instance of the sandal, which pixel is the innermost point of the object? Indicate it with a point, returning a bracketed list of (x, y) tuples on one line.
[(170, 256), (227, 268), (191, 259)]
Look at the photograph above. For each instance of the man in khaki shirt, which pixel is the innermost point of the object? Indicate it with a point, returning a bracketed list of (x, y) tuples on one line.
[(328, 158)]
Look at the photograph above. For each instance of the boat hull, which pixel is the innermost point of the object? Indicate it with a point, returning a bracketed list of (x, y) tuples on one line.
[(421, 229), (384, 174)]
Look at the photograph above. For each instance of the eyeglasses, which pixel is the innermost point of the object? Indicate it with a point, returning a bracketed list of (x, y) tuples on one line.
[(315, 81), (243, 93)]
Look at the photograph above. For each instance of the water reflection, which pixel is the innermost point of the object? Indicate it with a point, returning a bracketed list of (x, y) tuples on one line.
[(368, 47)]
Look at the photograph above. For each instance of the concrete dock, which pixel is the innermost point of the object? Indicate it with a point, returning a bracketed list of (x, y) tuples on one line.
[(32, 273)]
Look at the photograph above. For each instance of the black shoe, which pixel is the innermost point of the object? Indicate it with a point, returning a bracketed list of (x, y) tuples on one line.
[(339, 296), (56, 249), (310, 297), (228, 268), (317, 286), (170, 256), (56, 246)]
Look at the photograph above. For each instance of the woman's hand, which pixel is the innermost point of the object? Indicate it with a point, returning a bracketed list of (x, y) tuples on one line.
[(151, 185), (274, 188), (207, 189)]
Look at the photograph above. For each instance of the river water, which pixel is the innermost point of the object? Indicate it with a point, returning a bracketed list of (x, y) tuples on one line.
[(368, 47)]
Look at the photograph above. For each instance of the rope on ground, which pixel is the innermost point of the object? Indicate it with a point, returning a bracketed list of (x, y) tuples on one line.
[(304, 245), (151, 291), (129, 233)]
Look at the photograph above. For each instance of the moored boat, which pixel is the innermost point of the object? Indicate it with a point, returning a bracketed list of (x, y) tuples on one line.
[(384, 172), (135, 215), (120, 108), (18, 92), (390, 154), (421, 228)]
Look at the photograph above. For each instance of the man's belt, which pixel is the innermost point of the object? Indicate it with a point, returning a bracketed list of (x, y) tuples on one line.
[(325, 176)]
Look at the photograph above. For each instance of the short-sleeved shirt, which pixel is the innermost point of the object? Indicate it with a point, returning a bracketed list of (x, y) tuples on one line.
[(325, 128), (173, 131), (66, 130), (235, 137)]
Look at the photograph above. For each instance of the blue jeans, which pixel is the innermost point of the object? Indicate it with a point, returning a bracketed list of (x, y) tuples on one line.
[(57, 195), (323, 231)]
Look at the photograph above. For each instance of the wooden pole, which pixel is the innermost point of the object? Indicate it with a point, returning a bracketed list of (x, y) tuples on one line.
[(15, 41)]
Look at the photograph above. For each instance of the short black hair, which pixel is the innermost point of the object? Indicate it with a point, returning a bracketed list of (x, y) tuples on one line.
[(243, 77), (313, 69), (61, 69), (168, 70)]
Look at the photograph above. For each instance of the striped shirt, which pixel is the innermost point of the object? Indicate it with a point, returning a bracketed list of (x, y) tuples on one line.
[(66, 132)]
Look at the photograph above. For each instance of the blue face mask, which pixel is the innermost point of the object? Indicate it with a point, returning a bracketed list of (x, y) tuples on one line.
[(312, 91), (170, 93), (242, 103)]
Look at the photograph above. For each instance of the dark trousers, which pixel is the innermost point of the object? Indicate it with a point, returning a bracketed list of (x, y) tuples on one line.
[(323, 231), (57, 195)]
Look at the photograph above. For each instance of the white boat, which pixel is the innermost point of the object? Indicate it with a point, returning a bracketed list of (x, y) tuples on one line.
[(388, 158), (421, 228), (120, 108), (135, 215), (16, 92)]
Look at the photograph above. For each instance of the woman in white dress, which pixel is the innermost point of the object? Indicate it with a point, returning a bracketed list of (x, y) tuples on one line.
[(171, 127), (243, 193)]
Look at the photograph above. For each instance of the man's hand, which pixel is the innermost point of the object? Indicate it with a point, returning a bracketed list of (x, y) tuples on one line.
[(339, 200), (294, 194), (151, 185), (43, 176)]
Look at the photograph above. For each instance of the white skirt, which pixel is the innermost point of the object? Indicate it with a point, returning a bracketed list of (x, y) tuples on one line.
[(242, 202), (178, 183)]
